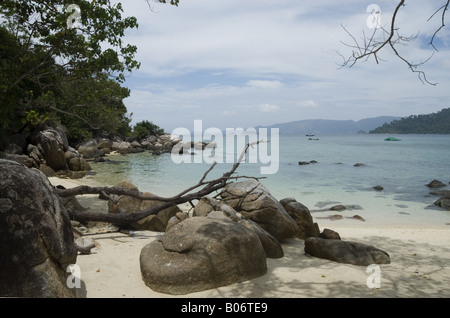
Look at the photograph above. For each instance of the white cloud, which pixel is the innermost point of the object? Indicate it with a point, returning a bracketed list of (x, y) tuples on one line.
[(307, 103), (222, 60), (268, 108), (265, 84)]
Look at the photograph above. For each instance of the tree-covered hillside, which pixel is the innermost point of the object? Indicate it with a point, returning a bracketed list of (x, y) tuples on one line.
[(435, 123)]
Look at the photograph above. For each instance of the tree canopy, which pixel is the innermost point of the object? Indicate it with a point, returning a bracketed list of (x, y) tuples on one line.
[(64, 61), (435, 123)]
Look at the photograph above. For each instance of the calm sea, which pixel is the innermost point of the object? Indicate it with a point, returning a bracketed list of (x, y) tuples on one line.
[(402, 168)]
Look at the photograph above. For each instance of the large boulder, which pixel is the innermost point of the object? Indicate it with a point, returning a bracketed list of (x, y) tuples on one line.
[(255, 202), (271, 245), (36, 239), (52, 146), (302, 216), (347, 252), (202, 253)]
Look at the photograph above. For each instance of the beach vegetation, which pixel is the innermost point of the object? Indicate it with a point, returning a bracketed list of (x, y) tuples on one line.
[(67, 63)]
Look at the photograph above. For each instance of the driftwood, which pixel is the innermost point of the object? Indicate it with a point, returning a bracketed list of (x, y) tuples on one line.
[(124, 220)]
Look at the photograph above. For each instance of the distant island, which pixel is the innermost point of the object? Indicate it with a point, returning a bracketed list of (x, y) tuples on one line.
[(435, 123), (331, 127)]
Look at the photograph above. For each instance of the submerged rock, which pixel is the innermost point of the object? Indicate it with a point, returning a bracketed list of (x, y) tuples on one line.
[(436, 184)]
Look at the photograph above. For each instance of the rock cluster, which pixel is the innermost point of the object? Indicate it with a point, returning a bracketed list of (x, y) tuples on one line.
[(97, 148), (227, 240), (223, 240), (49, 151)]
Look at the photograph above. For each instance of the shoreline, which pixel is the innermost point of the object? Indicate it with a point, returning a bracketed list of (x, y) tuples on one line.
[(419, 268)]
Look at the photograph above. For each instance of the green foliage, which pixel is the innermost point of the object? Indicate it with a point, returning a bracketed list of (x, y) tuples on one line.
[(51, 68), (145, 128), (34, 119), (435, 123)]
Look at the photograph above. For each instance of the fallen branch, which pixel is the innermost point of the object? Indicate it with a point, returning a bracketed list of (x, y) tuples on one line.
[(124, 220)]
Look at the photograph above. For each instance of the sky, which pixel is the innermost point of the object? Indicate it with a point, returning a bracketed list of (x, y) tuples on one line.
[(234, 63)]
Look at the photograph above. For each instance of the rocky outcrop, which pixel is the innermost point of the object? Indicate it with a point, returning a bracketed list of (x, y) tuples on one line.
[(202, 253), (254, 202), (49, 151), (156, 144), (347, 252), (36, 239)]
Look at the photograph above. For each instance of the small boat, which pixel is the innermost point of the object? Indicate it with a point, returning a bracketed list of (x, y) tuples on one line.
[(310, 135), (391, 139)]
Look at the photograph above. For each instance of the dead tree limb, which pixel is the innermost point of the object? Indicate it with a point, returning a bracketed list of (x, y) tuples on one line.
[(370, 46), (123, 220)]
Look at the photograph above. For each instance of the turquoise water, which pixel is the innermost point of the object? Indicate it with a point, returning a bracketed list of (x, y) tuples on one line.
[(402, 168)]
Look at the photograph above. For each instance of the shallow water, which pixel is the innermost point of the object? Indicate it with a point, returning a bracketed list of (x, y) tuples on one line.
[(402, 168)]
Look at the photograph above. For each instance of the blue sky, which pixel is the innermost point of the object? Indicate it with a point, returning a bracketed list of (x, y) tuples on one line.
[(234, 63)]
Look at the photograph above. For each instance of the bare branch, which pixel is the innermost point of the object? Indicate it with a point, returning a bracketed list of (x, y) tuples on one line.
[(444, 8), (370, 46), (207, 187)]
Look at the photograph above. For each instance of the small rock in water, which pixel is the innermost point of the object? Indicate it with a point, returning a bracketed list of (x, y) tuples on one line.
[(358, 217), (338, 207), (435, 184)]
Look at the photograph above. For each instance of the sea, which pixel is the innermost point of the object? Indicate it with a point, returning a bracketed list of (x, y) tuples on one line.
[(341, 170)]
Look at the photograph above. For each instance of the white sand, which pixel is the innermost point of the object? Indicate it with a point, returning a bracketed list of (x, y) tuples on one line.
[(420, 265)]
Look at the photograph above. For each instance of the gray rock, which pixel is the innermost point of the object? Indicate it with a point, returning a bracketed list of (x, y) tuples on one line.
[(52, 147), (330, 234), (36, 239), (22, 159), (78, 164), (436, 184), (128, 204), (443, 202), (345, 251), (302, 216), (207, 205), (271, 245), (255, 202), (338, 207), (201, 253)]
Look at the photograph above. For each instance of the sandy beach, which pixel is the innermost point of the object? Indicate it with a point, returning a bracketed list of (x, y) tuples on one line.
[(420, 265)]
